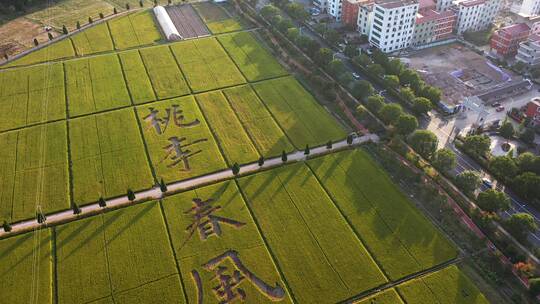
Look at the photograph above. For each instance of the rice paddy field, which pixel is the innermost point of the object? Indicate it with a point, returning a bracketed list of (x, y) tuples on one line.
[(216, 18), (276, 228), (325, 230)]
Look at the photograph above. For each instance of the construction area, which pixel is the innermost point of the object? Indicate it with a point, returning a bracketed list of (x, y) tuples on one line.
[(458, 71)]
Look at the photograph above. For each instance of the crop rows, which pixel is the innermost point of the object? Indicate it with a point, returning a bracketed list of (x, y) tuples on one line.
[(107, 155), (33, 171), (281, 224), (216, 19), (206, 65), (255, 62), (134, 30), (298, 113), (212, 130), (31, 95), (381, 214)]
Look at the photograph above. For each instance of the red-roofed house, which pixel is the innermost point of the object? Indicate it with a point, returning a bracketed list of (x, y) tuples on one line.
[(505, 41), (533, 111)]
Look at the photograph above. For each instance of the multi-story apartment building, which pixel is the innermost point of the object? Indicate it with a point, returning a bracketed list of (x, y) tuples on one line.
[(529, 51), (321, 4), (334, 8), (365, 18), (393, 24), (432, 26), (505, 41), (530, 7), (443, 5), (351, 11), (475, 15)]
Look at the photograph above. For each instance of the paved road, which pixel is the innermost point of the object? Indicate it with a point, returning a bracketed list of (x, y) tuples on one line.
[(155, 193), (464, 162)]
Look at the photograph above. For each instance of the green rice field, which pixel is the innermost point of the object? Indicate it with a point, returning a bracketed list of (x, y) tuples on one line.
[(206, 65), (279, 225), (107, 155), (120, 109), (255, 62), (216, 19)]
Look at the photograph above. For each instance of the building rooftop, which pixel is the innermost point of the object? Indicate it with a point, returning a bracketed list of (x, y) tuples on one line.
[(360, 2), (515, 29), (431, 15), (426, 4), (469, 3), (389, 4)]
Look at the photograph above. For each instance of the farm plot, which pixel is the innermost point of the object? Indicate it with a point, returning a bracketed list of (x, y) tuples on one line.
[(233, 238), (216, 19), (27, 262), (255, 62), (67, 12), (447, 286), (179, 141), (186, 21), (304, 121), (95, 84), (206, 65), (122, 254), (93, 40), (259, 124), (138, 83), (301, 226), (58, 50), (389, 296), (108, 156), (166, 77), (230, 135), (133, 30), (401, 239), (33, 170), (31, 95)]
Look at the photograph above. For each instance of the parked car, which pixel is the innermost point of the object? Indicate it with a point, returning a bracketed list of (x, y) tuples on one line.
[(488, 183), (356, 76), (500, 109), (496, 104), (314, 11)]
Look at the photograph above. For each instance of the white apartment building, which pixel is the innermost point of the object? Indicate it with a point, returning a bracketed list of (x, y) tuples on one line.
[(365, 19), (393, 24), (333, 8), (475, 15), (529, 51), (530, 8), (321, 4), (443, 5)]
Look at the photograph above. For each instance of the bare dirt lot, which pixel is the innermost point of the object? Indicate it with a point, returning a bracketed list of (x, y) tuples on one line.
[(458, 71), (18, 34)]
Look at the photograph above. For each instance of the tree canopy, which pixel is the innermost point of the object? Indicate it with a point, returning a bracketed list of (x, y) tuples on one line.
[(493, 200), (424, 142)]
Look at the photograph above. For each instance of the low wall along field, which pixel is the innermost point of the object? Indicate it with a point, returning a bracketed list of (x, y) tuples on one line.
[(73, 131)]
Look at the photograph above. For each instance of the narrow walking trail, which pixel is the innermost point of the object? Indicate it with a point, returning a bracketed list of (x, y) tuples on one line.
[(155, 192)]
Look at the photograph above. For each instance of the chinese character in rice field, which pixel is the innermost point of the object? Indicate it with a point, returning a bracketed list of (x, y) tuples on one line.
[(228, 288), (179, 152), (160, 124), (205, 221)]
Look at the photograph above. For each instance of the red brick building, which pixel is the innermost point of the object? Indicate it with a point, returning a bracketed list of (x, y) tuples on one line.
[(349, 15), (505, 41), (533, 111)]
